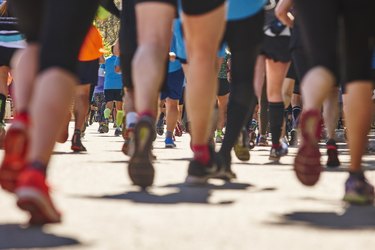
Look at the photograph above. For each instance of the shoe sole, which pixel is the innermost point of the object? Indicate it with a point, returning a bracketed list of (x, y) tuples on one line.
[(39, 207), (307, 165), (140, 168), (356, 199), (14, 156), (242, 153), (78, 149)]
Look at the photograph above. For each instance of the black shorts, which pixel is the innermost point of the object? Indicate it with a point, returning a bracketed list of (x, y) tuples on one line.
[(111, 95), (276, 48), (320, 35), (88, 72), (200, 7), (6, 55), (171, 2), (224, 87), (59, 26)]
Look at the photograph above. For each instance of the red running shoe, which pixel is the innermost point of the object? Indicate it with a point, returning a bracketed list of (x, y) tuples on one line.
[(15, 146), (307, 162), (33, 196)]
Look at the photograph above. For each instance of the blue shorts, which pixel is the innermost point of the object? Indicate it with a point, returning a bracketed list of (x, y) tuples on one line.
[(175, 82)]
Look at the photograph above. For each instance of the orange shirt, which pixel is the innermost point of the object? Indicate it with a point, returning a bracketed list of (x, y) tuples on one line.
[(92, 45)]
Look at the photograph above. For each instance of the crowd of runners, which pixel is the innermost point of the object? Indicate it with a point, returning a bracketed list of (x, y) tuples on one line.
[(234, 74)]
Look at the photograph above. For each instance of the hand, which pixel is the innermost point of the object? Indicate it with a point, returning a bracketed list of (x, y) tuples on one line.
[(283, 14), (172, 56)]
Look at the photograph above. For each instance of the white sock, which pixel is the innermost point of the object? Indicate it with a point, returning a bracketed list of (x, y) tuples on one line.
[(131, 118)]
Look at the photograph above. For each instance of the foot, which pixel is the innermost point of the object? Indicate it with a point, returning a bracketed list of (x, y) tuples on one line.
[(16, 147), (241, 148), (358, 190), (140, 169), (332, 152), (160, 125), (263, 141), (199, 173), (77, 145), (118, 131), (128, 146), (33, 197), (278, 151), (169, 143), (293, 138), (307, 164)]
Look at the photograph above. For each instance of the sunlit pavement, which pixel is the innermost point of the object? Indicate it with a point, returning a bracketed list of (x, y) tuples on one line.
[(265, 208)]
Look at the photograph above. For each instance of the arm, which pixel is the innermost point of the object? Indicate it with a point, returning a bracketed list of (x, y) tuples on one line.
[(283, 14)]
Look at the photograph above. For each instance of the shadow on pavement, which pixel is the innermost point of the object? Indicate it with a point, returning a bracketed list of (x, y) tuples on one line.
[(185, 194), (15, 236), (354, 217)]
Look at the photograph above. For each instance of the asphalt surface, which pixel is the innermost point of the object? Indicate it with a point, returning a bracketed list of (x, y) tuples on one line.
[(265, 208)]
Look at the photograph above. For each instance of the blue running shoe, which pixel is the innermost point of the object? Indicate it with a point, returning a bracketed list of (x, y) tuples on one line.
[(169, 143), (358, 191)]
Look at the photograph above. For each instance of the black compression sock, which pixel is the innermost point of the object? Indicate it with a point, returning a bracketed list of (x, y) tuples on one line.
[(237, 115), (276, 117)]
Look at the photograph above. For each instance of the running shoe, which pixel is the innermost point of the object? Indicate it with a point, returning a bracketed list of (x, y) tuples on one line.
[(140, 169), (252, 138), (33, 196), (178, 130), (118, 131), (16, 144), (263, 141), (277, 152), (333, 159), (307, 164), (226, 172), (358, 190), (169, 143), (241, 148), (293, 138), (77, 145), (160, 125), (218, 139), (128, 146), (199, 173)]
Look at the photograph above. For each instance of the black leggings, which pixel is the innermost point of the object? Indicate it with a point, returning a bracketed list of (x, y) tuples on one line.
[(244, 39), (128, 41), (320, 35), (58, 26)]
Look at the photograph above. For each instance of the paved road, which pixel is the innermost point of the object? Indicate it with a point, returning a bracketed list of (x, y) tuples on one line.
[(266, 208)]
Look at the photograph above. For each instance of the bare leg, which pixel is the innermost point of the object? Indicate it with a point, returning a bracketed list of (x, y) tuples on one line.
[(203, 34), (358, 120), (25, 64), (59, 85), (154, 25)]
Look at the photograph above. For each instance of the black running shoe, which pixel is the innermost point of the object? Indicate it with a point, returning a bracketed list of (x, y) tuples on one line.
[(199, 173), (77, 143), (140, 169), (333, 159), (293, 138)]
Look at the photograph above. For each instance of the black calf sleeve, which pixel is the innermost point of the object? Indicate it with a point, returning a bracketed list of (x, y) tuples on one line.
[(276, 117)]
